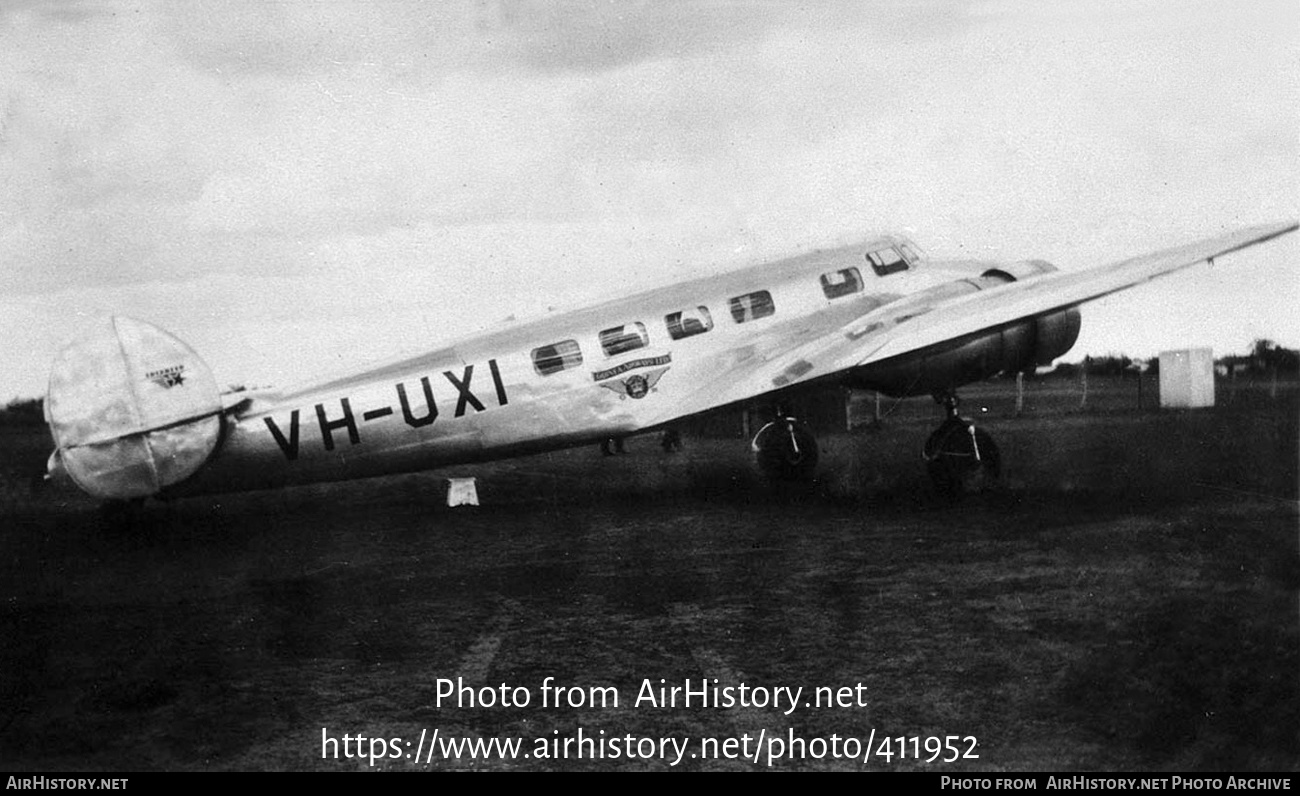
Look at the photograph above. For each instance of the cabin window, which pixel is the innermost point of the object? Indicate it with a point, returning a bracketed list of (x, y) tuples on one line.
[(886, 261), (841, 283), (752, 306), (556, 357), (621, 339), (688, 322)]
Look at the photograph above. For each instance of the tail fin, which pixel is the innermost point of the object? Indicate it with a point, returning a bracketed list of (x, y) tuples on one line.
[(132, 409)]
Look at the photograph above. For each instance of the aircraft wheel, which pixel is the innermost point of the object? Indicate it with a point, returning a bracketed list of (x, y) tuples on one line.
[(786, 450), (962, 459)]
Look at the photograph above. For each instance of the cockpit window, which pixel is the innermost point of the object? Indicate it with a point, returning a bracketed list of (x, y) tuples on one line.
[(688, 322), (556, 357), (841, 283), (620, 339), (886, 261), (752, 306)]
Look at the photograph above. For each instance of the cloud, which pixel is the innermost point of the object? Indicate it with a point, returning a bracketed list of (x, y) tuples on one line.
[(144, 134), (188, 149), (423, 42)]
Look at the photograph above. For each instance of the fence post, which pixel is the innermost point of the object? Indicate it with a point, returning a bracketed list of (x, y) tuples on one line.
[(1020, 392), (1083, 401)]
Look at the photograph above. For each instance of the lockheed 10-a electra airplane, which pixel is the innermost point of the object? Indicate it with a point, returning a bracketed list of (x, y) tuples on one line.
[(135, 413)]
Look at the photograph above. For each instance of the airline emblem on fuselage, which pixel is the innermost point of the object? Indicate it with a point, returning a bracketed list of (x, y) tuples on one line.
[(638, 385)]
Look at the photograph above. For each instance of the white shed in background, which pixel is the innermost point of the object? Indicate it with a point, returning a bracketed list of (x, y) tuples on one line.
[(1186, 378)]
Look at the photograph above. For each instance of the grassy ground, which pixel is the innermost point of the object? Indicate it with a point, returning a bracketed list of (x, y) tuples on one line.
[(1127, 601)]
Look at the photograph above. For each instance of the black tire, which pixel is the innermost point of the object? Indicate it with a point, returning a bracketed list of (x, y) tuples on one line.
[(786, 450), (962, 459)]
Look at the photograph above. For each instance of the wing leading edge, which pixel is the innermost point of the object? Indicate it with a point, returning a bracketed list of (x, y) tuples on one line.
[(1019, 300)]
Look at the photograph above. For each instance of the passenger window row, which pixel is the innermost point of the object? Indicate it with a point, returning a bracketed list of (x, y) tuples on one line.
[(617, 340)]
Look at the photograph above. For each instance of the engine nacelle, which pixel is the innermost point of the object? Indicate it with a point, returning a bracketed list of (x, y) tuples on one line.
[(1014, 272), (1056, 335), (1018, 346)]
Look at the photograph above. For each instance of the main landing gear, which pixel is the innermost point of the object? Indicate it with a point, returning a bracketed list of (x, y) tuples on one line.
[(785, 450), (960, 458)]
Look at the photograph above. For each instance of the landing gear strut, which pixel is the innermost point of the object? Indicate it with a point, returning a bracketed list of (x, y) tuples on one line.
[(785, 450), (960, 458)]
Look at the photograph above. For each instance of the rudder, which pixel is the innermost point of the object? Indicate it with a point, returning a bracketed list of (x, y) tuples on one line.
[(132, 409)]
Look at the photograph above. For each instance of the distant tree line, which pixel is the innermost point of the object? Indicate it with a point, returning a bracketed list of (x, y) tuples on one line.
[(1109, 365), (1265, 357), (23, 412)]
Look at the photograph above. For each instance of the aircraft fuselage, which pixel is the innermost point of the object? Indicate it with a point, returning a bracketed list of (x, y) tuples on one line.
[(560, 380), (135, 412)]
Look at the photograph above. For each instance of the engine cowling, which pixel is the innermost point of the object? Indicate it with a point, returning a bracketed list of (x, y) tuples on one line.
[(1014, 272), (1015, 347)]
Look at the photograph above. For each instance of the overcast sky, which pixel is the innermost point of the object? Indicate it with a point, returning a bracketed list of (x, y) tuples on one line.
[(298, 187)]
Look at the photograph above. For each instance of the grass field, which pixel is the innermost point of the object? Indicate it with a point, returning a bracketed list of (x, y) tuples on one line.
[(1126, 601)]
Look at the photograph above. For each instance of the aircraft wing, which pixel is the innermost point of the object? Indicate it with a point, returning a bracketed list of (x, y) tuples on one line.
[(1019, 300), (827, 343)]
